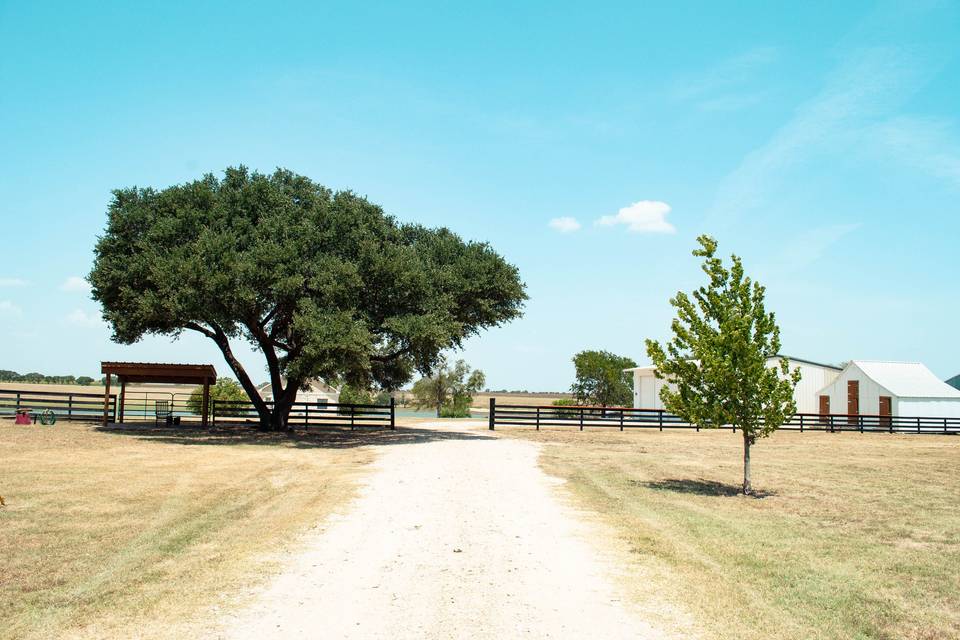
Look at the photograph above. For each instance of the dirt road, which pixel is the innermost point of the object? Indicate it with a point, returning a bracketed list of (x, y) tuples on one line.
[(455, 537)]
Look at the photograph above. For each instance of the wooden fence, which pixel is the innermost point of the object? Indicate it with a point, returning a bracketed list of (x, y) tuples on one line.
[(312, 414), (628, 418), (65, 405), (141, 407)]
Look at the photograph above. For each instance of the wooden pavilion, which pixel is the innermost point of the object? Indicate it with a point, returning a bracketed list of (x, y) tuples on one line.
[(199, 374)]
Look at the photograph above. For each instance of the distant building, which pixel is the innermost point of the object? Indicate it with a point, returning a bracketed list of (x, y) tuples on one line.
[(889, 389), (317, 392), (814, 376)]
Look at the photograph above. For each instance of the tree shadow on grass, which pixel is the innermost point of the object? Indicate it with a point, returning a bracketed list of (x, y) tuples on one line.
[(702, 488), (300, 439)]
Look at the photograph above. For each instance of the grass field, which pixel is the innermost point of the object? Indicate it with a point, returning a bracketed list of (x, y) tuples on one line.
[(124, 535), (858, 536)]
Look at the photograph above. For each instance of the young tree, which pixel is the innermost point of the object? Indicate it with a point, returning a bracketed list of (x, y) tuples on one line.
[(717, 358), (601, 380), (449, 389), (323, 283)]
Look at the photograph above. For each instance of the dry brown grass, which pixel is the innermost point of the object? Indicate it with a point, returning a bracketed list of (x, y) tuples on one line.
[(111, 534), (857, 537)]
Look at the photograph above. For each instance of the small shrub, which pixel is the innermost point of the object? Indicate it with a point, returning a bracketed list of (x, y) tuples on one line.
[(566, 413), (223, 389)]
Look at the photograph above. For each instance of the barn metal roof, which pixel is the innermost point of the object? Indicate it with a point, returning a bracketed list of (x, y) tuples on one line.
[(907, 379)]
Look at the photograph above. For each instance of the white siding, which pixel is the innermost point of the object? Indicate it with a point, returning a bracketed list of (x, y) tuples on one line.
[(646, 390), (929, 407), (870, 393), (813, 378), (646, 387)]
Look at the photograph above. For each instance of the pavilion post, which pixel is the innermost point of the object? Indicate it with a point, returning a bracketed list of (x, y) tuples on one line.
[(123, 398), (106, 401), (206, 401)]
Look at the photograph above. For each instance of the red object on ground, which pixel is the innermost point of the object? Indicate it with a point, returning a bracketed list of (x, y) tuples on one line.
[(23, 416)]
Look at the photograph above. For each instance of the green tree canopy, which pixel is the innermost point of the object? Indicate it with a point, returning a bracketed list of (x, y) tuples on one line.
[(601, 380), (448, 389), (323, 283), (717, 358), (223, 389)]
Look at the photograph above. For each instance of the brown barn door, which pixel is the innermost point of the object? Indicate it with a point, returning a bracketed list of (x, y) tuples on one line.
[(853, 401), (824, 408), (886, 410)]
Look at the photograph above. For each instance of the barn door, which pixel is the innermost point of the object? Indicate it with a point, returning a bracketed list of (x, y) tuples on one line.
[(824, 408), (853, 401), (886, 410)]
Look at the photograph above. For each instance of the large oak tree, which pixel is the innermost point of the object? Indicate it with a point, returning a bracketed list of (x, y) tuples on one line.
[(323, 283)]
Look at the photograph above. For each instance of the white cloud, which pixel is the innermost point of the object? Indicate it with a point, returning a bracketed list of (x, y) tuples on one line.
[(645, 216), (564, 224), (7, 308), (868, 85), (75, 284), (808, 246), (728, 84), (81, 318), (12, 282), (928, 144)]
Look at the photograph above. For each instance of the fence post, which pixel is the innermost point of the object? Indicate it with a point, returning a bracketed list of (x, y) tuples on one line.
[(18, 401), (660, 418), (213, 412), (860, 420), (352, 409), (944, 425), (393, 413), (306, 416), (581, 418), (621, 419), (493, 411), (918, 424), (70, 407), (538, 418), (801, 423)]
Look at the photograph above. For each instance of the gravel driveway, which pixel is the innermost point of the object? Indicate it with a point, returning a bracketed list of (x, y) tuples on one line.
[(459, 537)]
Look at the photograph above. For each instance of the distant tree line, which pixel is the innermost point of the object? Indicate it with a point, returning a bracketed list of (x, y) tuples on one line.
[(38, 378)]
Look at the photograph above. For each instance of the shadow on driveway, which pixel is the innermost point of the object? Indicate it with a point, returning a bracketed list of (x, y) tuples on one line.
[(301, 439)]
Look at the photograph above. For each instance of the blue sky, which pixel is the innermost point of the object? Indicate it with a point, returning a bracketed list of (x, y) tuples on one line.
[(588, 144)]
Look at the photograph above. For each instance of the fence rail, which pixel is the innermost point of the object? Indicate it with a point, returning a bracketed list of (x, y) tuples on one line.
[(311, 414), (628, 418), (65, 405), (141, 407)]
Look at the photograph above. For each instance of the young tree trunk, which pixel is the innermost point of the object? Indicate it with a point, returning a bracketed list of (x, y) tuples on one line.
[(747, 488)]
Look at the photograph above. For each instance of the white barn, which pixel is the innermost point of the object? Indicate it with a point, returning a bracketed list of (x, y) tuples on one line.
[(814, 376), (318, 392), (889, 389)]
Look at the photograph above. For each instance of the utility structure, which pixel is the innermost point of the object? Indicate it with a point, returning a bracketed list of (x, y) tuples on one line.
[(198, 374)]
